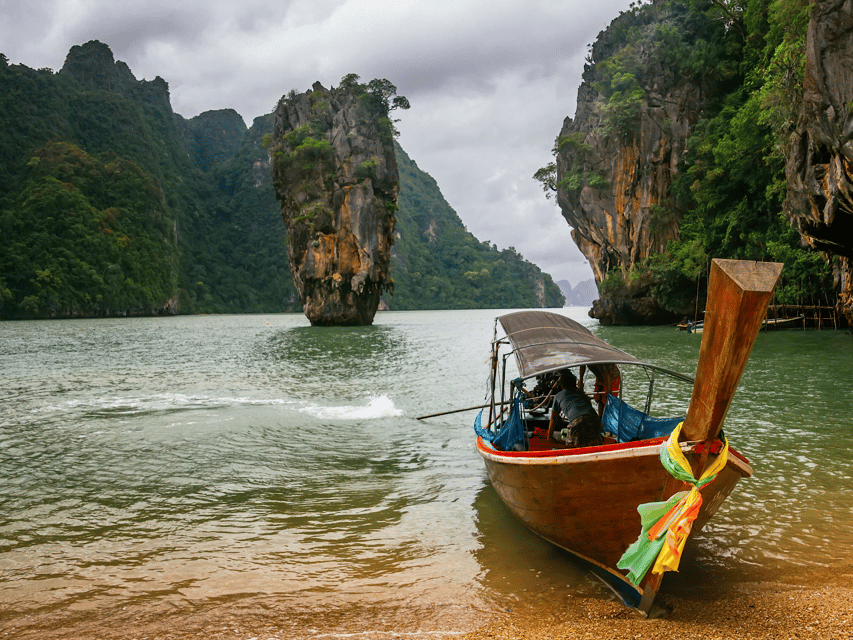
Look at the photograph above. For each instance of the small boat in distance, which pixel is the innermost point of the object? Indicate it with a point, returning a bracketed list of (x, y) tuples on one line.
[(661, 478), (798, 322), (691, 326)]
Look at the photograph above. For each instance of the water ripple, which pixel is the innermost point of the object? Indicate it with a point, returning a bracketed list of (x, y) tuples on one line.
[(206, 458)]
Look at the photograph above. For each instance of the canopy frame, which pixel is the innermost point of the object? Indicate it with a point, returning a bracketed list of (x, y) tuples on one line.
[(543, 342)]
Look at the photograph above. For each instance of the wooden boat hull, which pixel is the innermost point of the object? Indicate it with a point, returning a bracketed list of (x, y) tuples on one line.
[(585, 500)]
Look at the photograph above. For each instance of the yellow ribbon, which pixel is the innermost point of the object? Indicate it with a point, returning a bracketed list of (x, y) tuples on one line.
[(679, 520)]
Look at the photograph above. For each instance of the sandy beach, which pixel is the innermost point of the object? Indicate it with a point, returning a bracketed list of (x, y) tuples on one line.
[(806, 604), (774, 611)]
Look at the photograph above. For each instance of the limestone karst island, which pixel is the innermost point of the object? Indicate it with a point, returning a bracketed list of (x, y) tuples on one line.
[(335, 173)]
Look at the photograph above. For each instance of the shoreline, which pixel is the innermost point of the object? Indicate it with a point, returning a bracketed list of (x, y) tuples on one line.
[(804, 603), (772, 612)]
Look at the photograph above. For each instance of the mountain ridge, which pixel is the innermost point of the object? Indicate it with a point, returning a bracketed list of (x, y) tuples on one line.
[(581, 295), (211, 219)]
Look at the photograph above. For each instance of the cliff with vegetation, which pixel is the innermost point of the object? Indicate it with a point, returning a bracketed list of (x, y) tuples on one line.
[(616, 160), (676, 155), (335, 174), (112, 204)]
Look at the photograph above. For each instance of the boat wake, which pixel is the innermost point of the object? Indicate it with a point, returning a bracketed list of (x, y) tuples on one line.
[(130, 406), (379, 407)]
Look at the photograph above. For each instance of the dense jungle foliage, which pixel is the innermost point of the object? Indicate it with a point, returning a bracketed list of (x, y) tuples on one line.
[(85, 227), (111, 204), (84, 233), (119, 218), (438, 264), (730, 188)]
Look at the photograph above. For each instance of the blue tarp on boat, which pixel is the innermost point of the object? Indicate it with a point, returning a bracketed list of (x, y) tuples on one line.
[(510, 434), (629, 424)]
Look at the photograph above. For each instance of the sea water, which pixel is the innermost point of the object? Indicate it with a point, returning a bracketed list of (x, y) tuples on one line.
[(253, 472)]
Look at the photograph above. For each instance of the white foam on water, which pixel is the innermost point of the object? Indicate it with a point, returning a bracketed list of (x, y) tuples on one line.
[(378, 407)]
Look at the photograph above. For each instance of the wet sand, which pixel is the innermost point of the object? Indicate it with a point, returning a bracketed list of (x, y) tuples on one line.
[(805, 604), (774, 611)]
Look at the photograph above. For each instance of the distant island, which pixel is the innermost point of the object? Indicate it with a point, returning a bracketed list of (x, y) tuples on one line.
[(581, 295)]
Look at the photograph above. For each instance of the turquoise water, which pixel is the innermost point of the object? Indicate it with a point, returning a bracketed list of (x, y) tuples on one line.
[(189, 470)]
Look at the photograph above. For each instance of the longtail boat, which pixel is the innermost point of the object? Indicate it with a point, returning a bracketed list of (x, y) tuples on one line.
[(627, 506), (784, 323)]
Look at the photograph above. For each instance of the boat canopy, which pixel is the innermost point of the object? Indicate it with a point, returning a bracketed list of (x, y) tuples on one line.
[(543, 341)]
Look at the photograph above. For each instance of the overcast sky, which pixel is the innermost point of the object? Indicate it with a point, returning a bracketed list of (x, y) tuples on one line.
[(489, 81)]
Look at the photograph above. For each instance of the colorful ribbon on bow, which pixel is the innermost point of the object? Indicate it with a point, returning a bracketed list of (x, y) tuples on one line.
[(666, 525)]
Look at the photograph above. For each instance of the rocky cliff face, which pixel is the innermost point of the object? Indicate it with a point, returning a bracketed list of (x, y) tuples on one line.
[(614, 186), (335, 175), (617, 159), (820, 157)]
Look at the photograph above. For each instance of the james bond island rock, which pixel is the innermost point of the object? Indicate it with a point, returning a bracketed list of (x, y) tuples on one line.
[(616, 160), (335, 175), (820, 157)]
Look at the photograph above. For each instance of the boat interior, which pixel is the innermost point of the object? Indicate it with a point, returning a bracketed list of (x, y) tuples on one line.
[(620, 422), (527, 363)]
